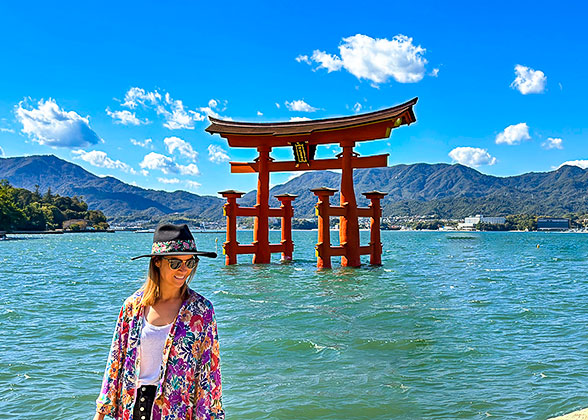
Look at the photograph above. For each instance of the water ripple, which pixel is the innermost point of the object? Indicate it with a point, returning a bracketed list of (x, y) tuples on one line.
[(452, 326)]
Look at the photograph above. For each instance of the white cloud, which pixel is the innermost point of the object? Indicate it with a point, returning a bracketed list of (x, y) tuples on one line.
[(277, 105), (125, 117), (193, 185), (303, 59), (208, 111), (157, 161), (300, 105), (6, 130), (2, 152), (357, 107), (185, 149), (176, 116), (259, 113), (100, 159), (296, 119), (529, 80), (50, 125), (190, 169), (165, 164), (146, 143), (434, 73), (579, 163), (169, 180), (144, 172), (376, 60), (472, 156), (552, 143), (217, 154), (327, 61), (514, 134), (135, 96)]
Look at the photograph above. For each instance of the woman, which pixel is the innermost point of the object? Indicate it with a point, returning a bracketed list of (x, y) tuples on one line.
[(164, 358)]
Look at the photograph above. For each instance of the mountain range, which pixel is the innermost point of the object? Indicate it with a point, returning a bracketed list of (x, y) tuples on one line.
[(444, 190), (119, 201)]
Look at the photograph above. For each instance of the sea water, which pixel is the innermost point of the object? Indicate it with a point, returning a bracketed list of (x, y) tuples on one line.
[(451, 326)]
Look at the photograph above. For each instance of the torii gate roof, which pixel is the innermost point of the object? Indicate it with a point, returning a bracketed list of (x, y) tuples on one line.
[(361, 127)]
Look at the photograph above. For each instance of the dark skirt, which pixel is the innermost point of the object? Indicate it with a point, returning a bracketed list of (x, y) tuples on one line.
[(144, 402)]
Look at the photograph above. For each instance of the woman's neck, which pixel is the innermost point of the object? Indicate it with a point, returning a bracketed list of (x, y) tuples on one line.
[(167, 294)]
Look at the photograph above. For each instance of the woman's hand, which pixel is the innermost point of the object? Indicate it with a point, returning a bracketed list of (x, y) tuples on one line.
[(98, 416)]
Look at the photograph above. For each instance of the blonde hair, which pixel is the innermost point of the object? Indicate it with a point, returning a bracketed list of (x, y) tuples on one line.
[(151, 292)]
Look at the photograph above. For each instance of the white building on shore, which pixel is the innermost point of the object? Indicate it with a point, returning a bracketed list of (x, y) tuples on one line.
[(469, 223)]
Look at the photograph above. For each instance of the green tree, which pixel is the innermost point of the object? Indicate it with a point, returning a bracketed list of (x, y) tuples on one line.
[(426, 224), (62, 203), (35, 218), (78, 205), (73, 214), (521, 222), (578, 220), (101, 226), (490, 227), (53, 216), (95, 216), (22, 197), (11, 217), (36, 194)]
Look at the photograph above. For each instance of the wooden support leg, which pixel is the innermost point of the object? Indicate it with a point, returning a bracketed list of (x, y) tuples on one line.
[(287, 214), (375, 241), (230, 210), (323, 247)]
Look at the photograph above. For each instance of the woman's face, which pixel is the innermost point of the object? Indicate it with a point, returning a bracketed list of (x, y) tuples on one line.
[(174, 278)]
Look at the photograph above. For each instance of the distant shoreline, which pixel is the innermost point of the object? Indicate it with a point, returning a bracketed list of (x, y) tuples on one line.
[(55, 232), (5, 235)]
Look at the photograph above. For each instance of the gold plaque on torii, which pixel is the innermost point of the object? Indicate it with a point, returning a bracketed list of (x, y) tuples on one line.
[(303, 152)]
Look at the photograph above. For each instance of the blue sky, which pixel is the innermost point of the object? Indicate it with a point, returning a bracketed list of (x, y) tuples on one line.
[(124, 89)]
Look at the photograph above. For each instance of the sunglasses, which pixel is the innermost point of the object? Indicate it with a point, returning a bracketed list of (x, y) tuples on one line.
[(175, 263)]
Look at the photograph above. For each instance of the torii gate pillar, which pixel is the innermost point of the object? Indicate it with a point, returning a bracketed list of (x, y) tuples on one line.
[(348, 224), (261, 224)]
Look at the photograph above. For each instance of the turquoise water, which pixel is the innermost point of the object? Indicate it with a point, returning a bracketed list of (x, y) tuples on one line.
[(453, 326)]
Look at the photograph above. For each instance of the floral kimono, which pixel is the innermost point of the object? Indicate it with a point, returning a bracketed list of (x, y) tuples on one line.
[(190, 384)]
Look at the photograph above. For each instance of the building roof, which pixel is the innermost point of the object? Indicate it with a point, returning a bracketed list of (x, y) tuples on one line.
[(368, 126)]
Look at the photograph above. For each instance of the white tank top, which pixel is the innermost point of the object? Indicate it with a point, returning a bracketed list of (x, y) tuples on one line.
[(151, 351)]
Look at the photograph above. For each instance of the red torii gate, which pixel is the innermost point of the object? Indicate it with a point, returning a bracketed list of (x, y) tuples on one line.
[(304, 137)]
